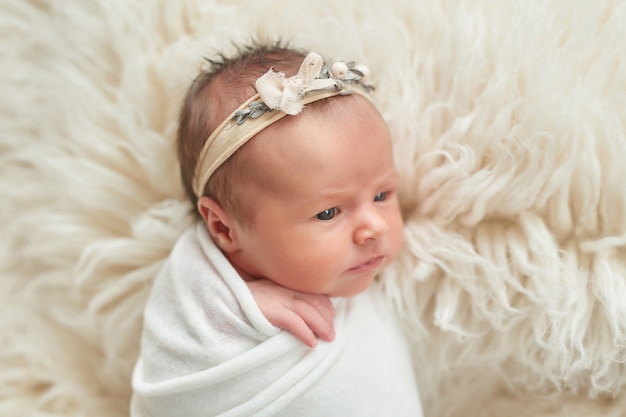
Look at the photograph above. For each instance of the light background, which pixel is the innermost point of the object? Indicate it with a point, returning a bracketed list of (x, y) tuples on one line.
[(509, 122)]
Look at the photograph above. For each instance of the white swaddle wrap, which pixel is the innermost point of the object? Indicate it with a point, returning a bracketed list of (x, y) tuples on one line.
[(208, 350)]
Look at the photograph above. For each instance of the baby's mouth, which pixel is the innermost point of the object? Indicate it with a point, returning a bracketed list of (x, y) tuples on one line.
[(369, 265)]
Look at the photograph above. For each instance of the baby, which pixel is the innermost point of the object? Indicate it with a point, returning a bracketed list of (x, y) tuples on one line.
[(296, 187)]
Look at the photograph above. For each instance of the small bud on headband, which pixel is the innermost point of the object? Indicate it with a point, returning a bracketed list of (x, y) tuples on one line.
[(277, 97)]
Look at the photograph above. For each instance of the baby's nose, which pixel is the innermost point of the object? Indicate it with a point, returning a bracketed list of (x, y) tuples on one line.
[(372, 226)]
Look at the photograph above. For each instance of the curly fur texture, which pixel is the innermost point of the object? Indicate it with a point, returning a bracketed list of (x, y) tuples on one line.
[(509, 123)]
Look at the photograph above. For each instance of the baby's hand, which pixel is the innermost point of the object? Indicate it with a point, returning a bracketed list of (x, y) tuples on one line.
[(302, 314)]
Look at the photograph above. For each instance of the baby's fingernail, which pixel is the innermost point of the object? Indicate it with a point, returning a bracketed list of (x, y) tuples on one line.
[(329, 337)]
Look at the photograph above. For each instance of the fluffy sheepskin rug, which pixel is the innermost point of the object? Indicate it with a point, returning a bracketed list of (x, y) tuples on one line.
[(509, 122)]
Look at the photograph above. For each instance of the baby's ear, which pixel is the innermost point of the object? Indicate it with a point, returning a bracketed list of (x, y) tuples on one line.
[(219, 223)]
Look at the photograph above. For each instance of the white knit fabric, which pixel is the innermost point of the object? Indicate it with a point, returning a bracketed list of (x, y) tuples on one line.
[(207, 350)]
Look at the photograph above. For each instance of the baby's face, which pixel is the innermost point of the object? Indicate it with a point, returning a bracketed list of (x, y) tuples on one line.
[(326, 211)]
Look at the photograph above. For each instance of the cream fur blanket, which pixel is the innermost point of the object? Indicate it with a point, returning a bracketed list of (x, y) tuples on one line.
[(509, 121)]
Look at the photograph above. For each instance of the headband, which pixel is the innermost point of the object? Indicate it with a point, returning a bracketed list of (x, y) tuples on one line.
[(276, 98)]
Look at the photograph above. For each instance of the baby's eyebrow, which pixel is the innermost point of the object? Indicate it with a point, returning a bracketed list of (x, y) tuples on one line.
[(328, 196), (390, 176)]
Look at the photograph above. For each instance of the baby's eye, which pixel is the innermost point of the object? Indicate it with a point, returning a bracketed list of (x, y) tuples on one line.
[(380, 197), (327, 214)]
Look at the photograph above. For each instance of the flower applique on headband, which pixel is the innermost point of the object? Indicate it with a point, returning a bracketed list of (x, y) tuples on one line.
[(280, 93), (277, 96)]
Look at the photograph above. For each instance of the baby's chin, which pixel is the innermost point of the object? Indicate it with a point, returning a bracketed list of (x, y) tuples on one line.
[(354, 287)]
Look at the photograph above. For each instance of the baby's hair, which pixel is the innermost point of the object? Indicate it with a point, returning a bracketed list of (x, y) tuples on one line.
[(213, 95)]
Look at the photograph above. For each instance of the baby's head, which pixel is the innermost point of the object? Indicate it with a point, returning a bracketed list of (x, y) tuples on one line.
[(307, 200)]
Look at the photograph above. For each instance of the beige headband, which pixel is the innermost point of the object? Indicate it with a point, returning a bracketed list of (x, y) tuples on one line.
[(277, 97)]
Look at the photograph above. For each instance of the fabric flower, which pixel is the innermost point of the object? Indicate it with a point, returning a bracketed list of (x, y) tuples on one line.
[(279, 92)]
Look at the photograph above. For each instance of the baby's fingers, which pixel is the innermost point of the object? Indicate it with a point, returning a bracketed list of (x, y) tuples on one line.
[(321, 303), (318, 314), (306, 316), (293, 323)]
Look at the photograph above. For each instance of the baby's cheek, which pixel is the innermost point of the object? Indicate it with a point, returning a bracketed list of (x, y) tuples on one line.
[(397, 236)]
